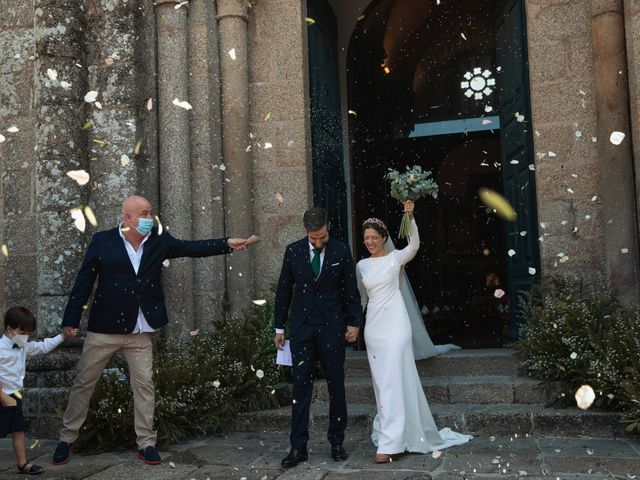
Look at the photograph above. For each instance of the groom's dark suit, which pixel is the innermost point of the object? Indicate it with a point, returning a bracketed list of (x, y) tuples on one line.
[(321, 310)]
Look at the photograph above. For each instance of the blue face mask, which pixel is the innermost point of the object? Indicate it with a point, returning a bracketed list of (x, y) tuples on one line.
[(145, 225)]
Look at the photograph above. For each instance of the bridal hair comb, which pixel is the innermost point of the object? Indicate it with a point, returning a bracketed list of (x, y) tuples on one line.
[(377, 221)]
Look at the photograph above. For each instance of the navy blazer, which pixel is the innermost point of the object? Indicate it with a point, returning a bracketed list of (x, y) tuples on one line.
[(332, 299), (121, 292)]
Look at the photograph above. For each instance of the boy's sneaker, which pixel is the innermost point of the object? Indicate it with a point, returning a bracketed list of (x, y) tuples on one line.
[(62, 453), (149, 455)]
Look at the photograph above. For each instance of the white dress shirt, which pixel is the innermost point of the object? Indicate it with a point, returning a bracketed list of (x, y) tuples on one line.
[(312, 254), (136, 257), (13, 361)]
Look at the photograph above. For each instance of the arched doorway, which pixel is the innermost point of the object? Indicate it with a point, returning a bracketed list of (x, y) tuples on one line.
[(446, 87)]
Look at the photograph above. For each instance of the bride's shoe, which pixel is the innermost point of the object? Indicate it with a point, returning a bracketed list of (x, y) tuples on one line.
[(383, 458)]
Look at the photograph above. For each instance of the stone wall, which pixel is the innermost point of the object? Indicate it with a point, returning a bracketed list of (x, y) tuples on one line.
[(565, 135), (278, 81)]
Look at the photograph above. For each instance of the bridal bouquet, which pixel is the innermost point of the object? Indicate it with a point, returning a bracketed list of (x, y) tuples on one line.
[(413, 184)]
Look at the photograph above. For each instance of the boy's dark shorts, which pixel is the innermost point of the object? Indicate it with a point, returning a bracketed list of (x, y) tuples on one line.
[(11, 419)]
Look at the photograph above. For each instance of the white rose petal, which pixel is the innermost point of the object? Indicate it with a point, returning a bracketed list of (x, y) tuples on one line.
[(624, 250), (13, 129), (150, 104), (616, 138), (532, 271), (65, 85), (172, 465), (259, 302), (216, 383), (499, 293), (267, 145), (232, 53), (511, 252), (52, 74), (2, 138), (166, 263), (436, 454), (91, 96), (98, 105), (552, 154), (88, 213), (182, 104), (259, 373), (78, 219), (4, 250), (80, 176), (573, 355), (124, 160)]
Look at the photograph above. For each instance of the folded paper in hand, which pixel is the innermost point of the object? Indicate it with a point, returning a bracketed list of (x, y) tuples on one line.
[(283, 356)]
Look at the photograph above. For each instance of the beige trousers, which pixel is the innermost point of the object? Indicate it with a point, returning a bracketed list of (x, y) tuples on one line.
[(98, 349)]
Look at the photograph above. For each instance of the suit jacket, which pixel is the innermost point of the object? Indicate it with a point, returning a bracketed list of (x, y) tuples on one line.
[(120, 291), (332, 299)]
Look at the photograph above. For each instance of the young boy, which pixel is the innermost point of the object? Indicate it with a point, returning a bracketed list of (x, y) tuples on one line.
[(19, 323)]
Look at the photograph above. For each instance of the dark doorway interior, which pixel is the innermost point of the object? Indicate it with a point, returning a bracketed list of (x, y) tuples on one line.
[(423, 84)]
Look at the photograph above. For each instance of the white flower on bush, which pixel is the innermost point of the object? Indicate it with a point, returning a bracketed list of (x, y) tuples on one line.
[(216, 383), (259, 373)]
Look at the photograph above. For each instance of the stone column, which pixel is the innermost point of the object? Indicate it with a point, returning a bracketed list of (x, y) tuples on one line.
[(60, 146), (632, 29), (175, 164), (206, 157), (238, 194), (617, 183)]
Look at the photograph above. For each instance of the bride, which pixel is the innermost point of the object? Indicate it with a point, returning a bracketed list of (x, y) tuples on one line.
[(404, 422)]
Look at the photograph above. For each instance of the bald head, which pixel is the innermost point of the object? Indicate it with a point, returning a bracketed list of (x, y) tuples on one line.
[(135, 203), (133, 209)]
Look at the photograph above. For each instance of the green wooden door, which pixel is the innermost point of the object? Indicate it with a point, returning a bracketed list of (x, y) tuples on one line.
[(517, 150), (329, 186)]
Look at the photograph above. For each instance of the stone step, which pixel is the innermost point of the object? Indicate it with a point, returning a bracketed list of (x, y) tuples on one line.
[(488, 361), (476, 419), (497, 389)]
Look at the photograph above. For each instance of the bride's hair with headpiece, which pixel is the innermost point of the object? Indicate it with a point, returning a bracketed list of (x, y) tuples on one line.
[(377, 224)]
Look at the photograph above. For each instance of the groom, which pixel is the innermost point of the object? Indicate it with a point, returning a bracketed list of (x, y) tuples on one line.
[(318, 273)]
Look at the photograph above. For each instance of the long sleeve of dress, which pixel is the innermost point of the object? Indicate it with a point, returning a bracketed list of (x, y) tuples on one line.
[(407, 253), (361, 287)]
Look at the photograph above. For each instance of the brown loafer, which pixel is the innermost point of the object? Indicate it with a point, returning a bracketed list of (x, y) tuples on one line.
[(383, 458)]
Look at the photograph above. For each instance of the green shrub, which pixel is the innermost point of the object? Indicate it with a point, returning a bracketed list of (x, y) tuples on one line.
[(571, 339), (202, 383)]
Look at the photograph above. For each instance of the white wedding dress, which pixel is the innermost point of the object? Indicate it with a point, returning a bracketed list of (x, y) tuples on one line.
[(403, 422)]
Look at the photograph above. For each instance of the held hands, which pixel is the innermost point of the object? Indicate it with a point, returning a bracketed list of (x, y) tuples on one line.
[(409, 207), (278, 340), (69, 332), (237, 243), (351, 335)]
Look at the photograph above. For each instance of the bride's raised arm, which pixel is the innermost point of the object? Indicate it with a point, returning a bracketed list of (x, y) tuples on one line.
[(407, 253)]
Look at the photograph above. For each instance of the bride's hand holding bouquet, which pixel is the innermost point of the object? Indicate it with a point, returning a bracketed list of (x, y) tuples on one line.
[(411, 185)]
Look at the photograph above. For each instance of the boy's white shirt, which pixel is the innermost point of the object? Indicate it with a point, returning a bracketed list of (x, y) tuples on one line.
[(13, 361)]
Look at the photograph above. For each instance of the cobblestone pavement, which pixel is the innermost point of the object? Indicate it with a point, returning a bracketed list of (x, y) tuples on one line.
[(256, 456)]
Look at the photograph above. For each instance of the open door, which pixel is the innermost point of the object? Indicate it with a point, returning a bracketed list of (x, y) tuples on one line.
[(517, 150), (329, 186)]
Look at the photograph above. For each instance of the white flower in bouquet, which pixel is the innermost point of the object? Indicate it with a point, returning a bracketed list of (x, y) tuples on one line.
[(413, 184)]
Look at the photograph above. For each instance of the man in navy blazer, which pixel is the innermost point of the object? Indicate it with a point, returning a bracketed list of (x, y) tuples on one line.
[(318, 284), (128, 305)]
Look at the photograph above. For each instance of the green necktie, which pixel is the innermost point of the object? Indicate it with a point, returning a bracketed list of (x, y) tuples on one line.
[(315, 263)]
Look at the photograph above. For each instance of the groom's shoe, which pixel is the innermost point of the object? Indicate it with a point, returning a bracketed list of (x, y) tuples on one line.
[(295, 456), (338, 453)]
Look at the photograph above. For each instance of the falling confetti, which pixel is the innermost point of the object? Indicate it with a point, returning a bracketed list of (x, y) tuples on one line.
[(87, 125), (182, 104), (232, 53), (616, 138), (352, 112), (498, 203), (2, 138), (150, 104), (624, 250), (136, 149), (13, 129), (166, 263), (80, 176), (267, 116), (91, 96), (573, 355), (78, 219), (259, 373), (464, 37), (279, 197), (436, 454), (267, 145), (532, 271), (260, 302), (216, 383), (52, 74), (499, 293), (310, 20), (124, 160), (160, 229), (88, 213), (65, 85), (181, 4), (172, 465), (585, 397), (511, 252), (194, 333), (98, 105), (4, 250)]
